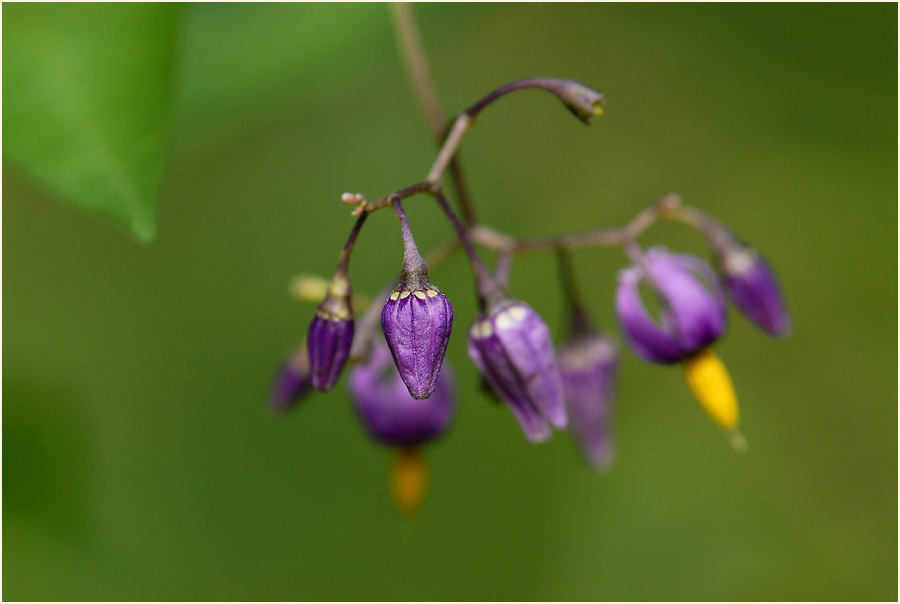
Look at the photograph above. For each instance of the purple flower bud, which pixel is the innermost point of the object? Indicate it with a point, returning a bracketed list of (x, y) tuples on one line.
[(692, 309), (330, 335), (291, 383), (588, 363), (389, 413), (511, 347), (752, 285), (416, 321), (749, 279)]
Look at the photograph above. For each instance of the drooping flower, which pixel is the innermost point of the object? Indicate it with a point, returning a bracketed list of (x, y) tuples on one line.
[(691, 309), (691, 317), (388, 412), (291, 382), (330, 335), (510, 345), (588, 362), (416, 320), (750, 281), (392, 417)]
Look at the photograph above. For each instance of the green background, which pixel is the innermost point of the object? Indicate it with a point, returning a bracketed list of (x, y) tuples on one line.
[(140, 460)]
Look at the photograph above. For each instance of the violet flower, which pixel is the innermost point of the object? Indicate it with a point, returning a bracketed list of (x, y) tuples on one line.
[(691, 310), (391, 416)]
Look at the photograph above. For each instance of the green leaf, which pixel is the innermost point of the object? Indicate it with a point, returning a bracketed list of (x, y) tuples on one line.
[(87, 90)]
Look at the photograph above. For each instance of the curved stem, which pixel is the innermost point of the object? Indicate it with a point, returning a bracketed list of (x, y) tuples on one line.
[(558, 86), (344, 258), (485, 283), (413, 52), (581, 100)]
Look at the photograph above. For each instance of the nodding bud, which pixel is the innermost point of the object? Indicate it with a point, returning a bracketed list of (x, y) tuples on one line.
[(584, 102), (416, 320), (388, 412), (510, 345), (331, 334), (291, 382), (587, 363), (691, 309), (750, 281)]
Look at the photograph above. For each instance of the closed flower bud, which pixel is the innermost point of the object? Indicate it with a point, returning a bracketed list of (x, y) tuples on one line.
[(416, 321), (511, 347), (750, 281), (584, 102), (386, 409), (291, 383), (588, 363), (691, 309), (330, 335)]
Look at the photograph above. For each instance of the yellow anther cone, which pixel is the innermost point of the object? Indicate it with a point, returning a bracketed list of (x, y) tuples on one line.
[(708, 379), (409, 479)]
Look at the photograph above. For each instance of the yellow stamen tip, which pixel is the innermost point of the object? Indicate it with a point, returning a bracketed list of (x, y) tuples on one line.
[(409, 480), (709, 381)]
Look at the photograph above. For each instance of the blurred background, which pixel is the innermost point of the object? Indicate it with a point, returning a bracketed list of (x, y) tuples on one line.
[(140, 461)]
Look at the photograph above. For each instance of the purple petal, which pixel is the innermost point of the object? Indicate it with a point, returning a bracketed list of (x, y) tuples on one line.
[(698, 314), (489, 357), (513, 351), (692, 314), (649, 340), (389, 413), (588, 366), (526, 339)]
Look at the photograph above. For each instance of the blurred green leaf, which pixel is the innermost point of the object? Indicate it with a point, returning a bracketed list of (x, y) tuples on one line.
[(86, 103)]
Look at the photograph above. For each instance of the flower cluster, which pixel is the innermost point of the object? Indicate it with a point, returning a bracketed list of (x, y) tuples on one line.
[(403, 392)]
